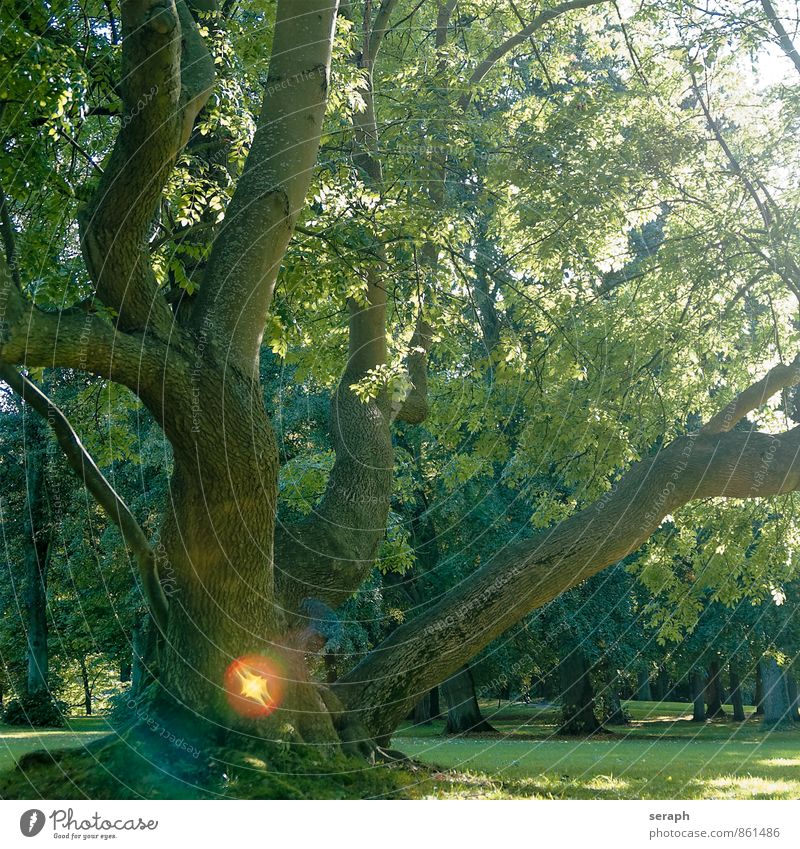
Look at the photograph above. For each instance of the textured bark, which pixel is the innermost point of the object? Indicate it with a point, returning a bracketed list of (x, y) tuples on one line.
[(794, 697), (776, 696), (232, 304), (615, 712), (713, 695), (643, 693), (328, 556), (463, 712), (578, 707), (697, 681), (167, 75), (736, 695), (758, 697)]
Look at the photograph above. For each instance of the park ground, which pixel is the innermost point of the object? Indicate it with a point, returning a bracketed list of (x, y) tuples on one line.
[(662, 754)]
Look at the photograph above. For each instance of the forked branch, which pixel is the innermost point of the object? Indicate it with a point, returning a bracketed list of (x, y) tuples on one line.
[(168, 74)]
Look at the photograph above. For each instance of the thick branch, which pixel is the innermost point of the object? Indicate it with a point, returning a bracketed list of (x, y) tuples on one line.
[(509, 44), (528, 574), (755, 396), (414, 407), (328, 555), (82, 341), (102, 491), (379, 29), (787, 45), (167, 78), (240, 279)]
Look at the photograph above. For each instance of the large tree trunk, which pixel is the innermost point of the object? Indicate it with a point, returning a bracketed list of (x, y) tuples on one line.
[(660, 685), (615, 713), (37, 553), (577, 693), (697, 682), (427, 708), (218, 542), (776, 696), (736, 695), (714, 707), (463, 713)]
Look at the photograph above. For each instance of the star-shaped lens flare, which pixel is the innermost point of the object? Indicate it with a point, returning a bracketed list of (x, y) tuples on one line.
[(254, 685)]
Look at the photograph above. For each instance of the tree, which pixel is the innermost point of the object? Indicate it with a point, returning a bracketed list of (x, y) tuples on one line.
[(244, 585)]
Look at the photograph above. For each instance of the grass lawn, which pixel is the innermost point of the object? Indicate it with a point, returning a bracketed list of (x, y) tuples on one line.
[(661, 755), (16, 741)]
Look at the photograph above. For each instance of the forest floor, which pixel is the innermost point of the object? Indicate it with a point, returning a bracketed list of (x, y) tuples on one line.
[(662, 754)]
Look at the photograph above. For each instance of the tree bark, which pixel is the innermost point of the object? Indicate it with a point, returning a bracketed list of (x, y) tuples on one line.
[(713, 694), (643, 692), (615, 714), (463, 712), (577, 693), (736, 695), (698, 695), (776, 696), (794, 697)]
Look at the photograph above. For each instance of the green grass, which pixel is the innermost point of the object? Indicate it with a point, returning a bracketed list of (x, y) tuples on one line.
[(662, 755), (16, 742)]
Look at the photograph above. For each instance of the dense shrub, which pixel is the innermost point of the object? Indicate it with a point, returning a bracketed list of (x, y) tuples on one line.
[(39, 711)]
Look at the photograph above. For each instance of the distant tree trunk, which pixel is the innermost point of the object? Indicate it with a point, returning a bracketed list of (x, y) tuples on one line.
[(37, 553), (577, 694), (421, 714), (643, 692), (463, 713), (87, 687), (125, 670), (776, 696), (736, 695), (615, 713), (714, 707), (698, 696), (436, 710), (660, 685), (794, 697), (758, 698)]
